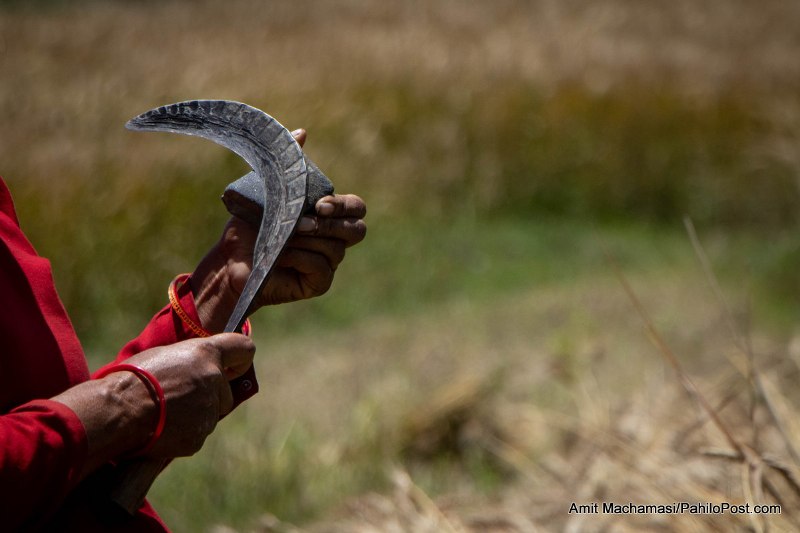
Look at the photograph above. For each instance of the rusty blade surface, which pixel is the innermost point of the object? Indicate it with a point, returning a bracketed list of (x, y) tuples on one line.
[(271, 152)]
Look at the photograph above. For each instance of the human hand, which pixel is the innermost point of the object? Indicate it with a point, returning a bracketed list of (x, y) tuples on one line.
[(304, 269), (307, 265), (194, 375), (119, 414)]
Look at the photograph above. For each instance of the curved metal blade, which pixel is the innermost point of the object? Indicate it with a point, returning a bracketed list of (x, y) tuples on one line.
[(271, 152)]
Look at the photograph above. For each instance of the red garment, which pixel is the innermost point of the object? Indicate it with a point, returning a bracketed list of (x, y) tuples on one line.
[(42, 442)]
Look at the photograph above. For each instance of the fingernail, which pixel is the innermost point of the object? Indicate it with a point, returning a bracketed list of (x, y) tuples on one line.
[(297, 132), (306, 225), (325, 208)]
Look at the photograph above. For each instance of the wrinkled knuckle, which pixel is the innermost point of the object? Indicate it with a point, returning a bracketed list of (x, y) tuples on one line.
[(204, 349), (210, 372), (210, 354)]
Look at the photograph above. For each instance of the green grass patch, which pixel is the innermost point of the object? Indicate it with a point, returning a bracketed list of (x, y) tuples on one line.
[(404, 267)]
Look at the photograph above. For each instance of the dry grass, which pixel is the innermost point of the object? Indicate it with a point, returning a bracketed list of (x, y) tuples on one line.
[(659, 445), (557, 397)]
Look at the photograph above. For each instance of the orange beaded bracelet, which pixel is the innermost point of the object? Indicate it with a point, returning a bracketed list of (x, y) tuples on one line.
[(194, 327)]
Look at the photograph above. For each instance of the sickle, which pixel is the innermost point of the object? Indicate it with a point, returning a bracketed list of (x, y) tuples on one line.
[(276, 160), (272, 197)]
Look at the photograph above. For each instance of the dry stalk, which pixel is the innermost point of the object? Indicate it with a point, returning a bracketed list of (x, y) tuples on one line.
[(787, 472), (752, 493), (752, 460), (515, 458), (420, 499), (774, 402), (672, 360), (742, 342), (695, 425)]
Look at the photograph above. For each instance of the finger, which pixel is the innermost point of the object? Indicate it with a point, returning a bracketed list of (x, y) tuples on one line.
[(349, 230), (300, 136), (305, 262), (225, 399), (341, 205), (332, 249), (236, 353), (307, 272), (299, 275)]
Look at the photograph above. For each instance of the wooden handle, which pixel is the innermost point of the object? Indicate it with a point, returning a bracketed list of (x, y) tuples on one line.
[(132, 481)]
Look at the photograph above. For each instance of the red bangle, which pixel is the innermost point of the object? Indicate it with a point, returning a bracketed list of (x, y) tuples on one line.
[(193, 326), (151, 383)]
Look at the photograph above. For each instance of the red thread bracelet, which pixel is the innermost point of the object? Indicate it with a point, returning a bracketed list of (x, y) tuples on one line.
[(151, 383)]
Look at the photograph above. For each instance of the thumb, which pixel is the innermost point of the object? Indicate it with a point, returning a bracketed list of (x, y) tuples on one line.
[(300, 136), (236, 353)]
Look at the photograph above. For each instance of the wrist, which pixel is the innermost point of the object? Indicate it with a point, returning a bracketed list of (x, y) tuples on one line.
[(137, 413), (156, 393), (214, 295)]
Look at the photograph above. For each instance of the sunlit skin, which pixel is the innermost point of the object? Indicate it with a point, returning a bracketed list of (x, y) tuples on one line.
[(118, 412)]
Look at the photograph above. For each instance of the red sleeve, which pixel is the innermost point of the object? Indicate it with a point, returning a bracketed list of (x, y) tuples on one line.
[(167, 328), (43, 450), (43, 445)]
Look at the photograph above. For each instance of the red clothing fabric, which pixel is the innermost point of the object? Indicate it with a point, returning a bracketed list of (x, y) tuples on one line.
[(42, 442)]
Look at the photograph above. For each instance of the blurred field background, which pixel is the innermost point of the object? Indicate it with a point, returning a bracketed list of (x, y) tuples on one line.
[(477, 365)]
